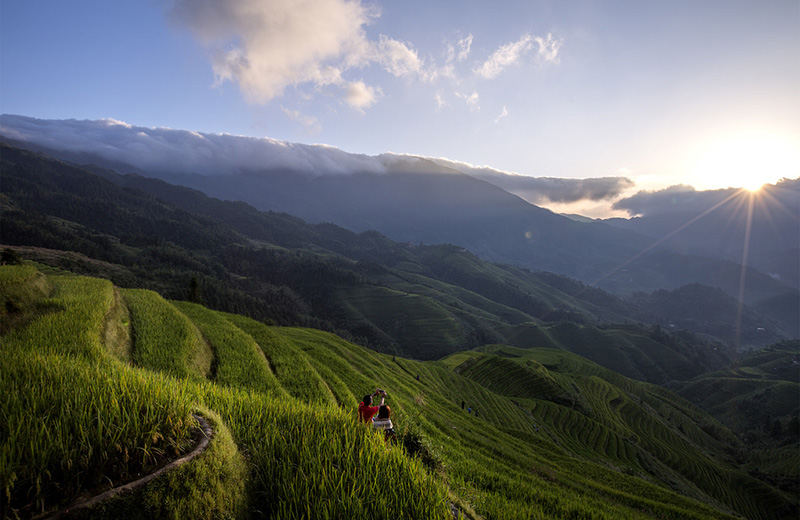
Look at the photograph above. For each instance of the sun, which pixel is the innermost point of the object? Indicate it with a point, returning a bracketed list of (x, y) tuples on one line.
[(746, 161)]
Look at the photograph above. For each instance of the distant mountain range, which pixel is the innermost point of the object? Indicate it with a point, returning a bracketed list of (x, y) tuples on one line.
[(423, 201), (418, 300)]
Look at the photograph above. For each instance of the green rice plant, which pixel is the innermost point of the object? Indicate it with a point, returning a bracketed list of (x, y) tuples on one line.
[(164, 339), (77, 418), (213, 485), (22, 287), (67, 425), (317, 462), (117, 330), (289, 363), (74, 322), (239, 360)]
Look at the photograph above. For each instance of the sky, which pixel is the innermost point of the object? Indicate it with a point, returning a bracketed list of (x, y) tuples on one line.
[(701, 93)]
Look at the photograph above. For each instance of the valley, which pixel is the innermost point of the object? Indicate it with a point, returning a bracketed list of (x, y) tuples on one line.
[(548, 432), (518, 393)]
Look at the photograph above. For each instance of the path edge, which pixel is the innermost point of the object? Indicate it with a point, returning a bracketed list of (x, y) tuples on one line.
[(207, 435)]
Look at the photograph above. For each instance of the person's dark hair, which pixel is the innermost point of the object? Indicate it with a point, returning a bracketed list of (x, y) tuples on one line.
[(384, 412), (367, 400)]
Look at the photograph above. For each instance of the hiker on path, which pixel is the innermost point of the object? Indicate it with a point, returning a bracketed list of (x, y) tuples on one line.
[(384, 423), (365, 409)]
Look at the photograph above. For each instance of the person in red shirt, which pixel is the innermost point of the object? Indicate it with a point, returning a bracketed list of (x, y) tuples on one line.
[(365, 409)]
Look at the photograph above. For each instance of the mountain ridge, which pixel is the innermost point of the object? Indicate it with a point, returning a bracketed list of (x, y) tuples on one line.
[(290, 267), (437, 203)]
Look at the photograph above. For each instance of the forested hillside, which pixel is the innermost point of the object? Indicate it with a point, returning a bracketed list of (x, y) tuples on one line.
[(412, 299), (98, 386)]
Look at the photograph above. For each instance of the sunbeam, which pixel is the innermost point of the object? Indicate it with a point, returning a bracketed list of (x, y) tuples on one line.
[(743, 276), (738, 193)]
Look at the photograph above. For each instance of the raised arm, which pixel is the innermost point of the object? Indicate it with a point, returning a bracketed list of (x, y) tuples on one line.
[(381, 393)]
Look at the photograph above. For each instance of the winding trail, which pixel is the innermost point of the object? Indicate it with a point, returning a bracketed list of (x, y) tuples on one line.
[(207, 435)]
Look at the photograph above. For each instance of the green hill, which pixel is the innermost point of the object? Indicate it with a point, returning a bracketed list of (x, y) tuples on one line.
[(644, 353), (413, 300), (93, 396), (758, 397)]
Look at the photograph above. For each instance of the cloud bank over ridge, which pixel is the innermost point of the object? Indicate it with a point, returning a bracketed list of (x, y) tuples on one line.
[(687, 200), (182, 151), (186, 152)]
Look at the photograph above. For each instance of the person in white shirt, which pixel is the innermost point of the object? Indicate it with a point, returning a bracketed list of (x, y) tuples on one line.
[(384, 423)]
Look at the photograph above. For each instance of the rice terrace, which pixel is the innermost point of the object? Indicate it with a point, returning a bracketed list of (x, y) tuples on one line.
[(370, 259), (101, 386)]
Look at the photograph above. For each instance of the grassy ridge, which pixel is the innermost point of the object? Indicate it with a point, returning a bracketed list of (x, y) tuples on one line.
[(239, 360), (317, 462), (629, 350), (644, 429), (457, 437), (759, 398), (70, 418), (164, 339), (290, 365), (605, 447), (118, 417), (419, 323), (22, 289)]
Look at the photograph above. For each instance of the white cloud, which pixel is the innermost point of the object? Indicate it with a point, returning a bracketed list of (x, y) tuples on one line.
[(548, 48), (397, 58), (361, 95), (440, 102), (451, 56), (512, 53), (464, 45), (542, 189), (505, 56), (164, 150), (267, 46), (310, 123), (502, 114), (470, 99)]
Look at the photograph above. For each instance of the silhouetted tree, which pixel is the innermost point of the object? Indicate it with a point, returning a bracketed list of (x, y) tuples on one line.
[(777, 430), (10, 257), (195, 294)]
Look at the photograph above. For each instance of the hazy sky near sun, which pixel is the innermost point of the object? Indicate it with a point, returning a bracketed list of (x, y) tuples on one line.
[(700, 92)]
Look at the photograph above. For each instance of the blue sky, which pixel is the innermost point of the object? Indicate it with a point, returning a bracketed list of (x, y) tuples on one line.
[(705, 93)]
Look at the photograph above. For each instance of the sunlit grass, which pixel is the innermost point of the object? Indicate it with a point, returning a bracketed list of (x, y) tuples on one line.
[(74, 418), (164, 339)]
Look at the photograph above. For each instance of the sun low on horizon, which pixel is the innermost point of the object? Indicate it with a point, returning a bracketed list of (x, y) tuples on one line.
[(747, 160)]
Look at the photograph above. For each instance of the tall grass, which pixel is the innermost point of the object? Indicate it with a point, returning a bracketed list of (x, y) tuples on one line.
[(73, 418), (164, 339), (22, 287), (317, 462), (67, 426), (117, 330), (73, 323), (239, 360), (290, 364)]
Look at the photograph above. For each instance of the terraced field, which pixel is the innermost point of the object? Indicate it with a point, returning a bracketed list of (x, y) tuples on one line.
[(550, 435), (759, 399), (416, 319), (642, 429), (628, 352)]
